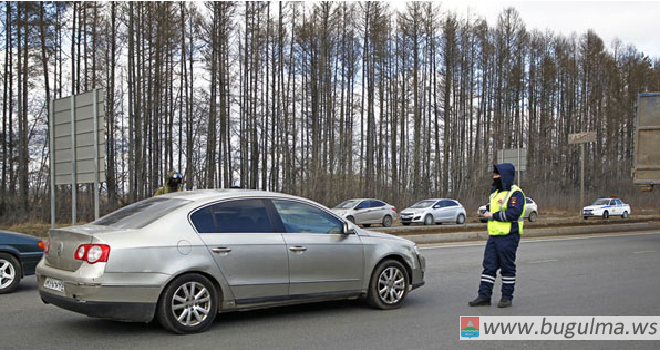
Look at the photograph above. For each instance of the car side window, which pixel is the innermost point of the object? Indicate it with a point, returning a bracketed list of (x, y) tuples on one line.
[(239, 216), (304, 218), (438, 204), (529, 201), (364, 204), (612, 202), (376, 204), (445, 204), (619, 202), (452, 204)]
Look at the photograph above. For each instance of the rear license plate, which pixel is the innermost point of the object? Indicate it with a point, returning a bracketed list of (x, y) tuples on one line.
[(54, 284)]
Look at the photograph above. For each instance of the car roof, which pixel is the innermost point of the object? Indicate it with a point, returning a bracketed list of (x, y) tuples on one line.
[(201, 195)]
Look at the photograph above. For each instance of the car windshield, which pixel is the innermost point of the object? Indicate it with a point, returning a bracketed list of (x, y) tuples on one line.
[(140, 214), (347, 204), (601, 201), (422, 204)]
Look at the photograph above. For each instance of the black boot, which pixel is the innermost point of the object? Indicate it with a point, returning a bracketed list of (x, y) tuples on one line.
[(504, 303), (479, 302)]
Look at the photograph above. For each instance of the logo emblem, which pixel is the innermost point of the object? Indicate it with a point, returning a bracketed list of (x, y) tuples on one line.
[(469, 327), (500, 202), (60, 247)]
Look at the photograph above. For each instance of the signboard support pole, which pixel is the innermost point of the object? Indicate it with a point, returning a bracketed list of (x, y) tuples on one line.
[(97, 207), (73, 160), (582, 175), (51, 151)]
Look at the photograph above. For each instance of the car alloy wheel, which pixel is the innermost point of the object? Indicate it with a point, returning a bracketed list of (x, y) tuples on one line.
[(460, 219), (624, 215), (391, 285), (388, 286), (191, 304), (10, 273), (428, 219), (387, 221), (606, 215), (532, 217), (188, 304)]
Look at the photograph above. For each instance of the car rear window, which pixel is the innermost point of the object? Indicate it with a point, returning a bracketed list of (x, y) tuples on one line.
[(141, 214)]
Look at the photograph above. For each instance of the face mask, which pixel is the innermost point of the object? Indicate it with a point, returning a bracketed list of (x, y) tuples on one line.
[(497, 183)]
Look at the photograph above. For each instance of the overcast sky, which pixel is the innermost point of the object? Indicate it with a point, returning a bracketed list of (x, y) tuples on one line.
[(634, 22)]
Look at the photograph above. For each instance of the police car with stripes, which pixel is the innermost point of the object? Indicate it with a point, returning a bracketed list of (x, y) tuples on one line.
[(605, 207)]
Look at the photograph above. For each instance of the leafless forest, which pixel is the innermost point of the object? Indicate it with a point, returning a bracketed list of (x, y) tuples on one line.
[(324, 100)]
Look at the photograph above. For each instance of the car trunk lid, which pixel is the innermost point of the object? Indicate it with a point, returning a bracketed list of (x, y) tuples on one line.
[(65, 241)]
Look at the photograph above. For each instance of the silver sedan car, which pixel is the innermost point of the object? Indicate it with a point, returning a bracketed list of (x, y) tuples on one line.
[(434, 211), (183, 257), (366, 211)]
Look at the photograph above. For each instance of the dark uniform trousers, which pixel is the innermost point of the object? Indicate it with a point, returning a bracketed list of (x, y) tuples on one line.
[(500, 254)]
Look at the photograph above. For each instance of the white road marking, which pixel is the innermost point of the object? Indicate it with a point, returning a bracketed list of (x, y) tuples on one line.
[(645, 251), (542, 261), (542, 239)]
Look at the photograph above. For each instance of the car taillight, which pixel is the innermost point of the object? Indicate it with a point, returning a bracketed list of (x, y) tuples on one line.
[(394, 209), (92, 253), (41, 245), (46, 246)]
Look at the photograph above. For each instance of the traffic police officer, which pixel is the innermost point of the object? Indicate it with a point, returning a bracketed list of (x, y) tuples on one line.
[(173, 183), (505, 217)]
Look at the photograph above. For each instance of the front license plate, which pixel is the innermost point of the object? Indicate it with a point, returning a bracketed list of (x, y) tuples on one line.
[(54, 284)]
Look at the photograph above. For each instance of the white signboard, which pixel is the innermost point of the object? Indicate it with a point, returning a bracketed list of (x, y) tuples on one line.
[(515, 156), (582, 137)]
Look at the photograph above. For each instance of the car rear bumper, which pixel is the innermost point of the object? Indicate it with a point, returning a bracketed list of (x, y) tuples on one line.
[(121, 311)]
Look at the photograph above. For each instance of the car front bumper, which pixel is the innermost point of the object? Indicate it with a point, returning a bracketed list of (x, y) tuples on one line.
[(417, 279), (414, 218)]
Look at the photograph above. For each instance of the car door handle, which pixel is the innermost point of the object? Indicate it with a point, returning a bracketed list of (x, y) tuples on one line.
[(298, 249), (221, 250)]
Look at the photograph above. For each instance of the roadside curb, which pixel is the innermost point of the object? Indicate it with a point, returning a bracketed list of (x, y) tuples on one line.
[(556, 231)]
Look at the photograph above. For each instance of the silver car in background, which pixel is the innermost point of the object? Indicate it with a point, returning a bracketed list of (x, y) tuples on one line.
[(434, 211), (183, 257), (366, 212), (531, 210)]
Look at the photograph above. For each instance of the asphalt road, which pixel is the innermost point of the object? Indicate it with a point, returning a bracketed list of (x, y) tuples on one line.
[(594, 275)]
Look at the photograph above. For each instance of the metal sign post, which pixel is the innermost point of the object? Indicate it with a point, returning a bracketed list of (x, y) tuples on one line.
[(77, 146), (581, 138)]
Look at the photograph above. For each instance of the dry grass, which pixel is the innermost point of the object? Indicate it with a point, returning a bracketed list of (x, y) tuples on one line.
[(30, 228)]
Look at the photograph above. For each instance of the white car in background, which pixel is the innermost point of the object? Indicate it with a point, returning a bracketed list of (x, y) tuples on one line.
[(366, 211), (605, 207), (531, 210), (434, 211)]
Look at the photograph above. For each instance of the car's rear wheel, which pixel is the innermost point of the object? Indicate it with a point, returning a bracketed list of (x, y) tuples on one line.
[(532, 216), (387, 221), (428, 219), (10, 273), (606, 214), (188, 304), (388, 286), (624, 215), (586, 217), (460, 219)]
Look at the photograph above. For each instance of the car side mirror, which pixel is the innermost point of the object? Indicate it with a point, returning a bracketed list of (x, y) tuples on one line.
[(436, 206), (347, 230), (357, 208)]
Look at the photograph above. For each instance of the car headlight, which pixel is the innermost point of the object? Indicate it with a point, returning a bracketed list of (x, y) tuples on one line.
[(414, 249)]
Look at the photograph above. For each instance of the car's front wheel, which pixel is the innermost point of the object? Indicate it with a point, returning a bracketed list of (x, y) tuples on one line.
[(188, 304), (10, 273), (428, 219), (388, 286), (460, 219), (606, 214)]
